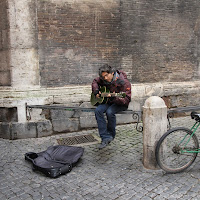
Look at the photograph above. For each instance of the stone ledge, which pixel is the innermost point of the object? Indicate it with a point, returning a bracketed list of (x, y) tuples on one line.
[(77, 94), (17, 130), (174, 94)]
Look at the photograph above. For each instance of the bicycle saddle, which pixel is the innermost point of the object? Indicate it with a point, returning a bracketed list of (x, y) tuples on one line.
[(196, 116)]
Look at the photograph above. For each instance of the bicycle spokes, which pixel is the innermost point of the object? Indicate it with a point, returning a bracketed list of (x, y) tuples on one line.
[(177, 149)]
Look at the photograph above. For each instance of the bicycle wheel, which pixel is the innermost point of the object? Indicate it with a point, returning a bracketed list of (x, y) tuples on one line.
[(171, 149)]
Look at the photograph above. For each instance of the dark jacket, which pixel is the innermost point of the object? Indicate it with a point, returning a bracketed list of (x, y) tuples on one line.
[(120, 84)]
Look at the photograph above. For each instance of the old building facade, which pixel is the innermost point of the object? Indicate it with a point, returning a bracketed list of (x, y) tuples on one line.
[(50, 51)]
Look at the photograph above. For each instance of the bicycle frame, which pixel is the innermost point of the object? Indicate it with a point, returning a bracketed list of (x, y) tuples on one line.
[(193, 129)]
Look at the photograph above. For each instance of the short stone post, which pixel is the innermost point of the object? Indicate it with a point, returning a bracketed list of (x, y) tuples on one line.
[(154, 126)]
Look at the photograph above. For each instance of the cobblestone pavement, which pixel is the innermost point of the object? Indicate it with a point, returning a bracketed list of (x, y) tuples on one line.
[(112, 173)]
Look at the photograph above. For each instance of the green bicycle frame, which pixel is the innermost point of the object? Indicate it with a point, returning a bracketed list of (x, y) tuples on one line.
[(193, 129)]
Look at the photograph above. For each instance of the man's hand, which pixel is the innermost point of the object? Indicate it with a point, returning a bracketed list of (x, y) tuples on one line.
[(109, 95), (98, 95)]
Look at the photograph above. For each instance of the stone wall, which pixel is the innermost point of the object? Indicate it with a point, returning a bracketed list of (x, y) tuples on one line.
[(63, 42), (151, 40), (23, 43), (50, 51), (47, 122), (160, 40), (5, 73), (75, 38)]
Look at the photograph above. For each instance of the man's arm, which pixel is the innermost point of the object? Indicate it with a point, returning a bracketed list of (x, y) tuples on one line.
[(126, 100), (95, 86)]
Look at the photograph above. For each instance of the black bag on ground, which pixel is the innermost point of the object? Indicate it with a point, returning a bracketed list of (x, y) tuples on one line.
[(56, 160)]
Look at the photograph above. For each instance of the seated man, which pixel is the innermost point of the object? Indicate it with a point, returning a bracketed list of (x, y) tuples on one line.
[(116, 81)]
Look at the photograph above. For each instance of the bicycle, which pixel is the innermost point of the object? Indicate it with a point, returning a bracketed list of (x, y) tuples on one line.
[(178, 148)]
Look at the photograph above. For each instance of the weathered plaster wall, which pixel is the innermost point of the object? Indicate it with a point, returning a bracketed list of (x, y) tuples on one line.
[(18, 44), (23, 43), (5, 69)]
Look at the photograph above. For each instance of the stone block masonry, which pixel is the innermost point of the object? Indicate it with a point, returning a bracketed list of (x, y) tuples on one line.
[(50, 51), (5, 69), (44, 122), (59, 43), (18, 44), (154, 126)]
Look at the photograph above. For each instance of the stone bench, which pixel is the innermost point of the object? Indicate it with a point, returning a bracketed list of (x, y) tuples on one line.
[(45, 120), (84, 116)]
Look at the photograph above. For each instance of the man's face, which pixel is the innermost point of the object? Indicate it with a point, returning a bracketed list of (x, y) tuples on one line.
[(107, 76)]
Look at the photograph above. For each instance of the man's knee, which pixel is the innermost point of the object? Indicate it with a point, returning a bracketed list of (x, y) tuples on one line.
[(98, 111), (110, 113)]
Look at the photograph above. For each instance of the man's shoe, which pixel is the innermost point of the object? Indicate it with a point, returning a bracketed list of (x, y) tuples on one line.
[(103, 144), (110, 140)]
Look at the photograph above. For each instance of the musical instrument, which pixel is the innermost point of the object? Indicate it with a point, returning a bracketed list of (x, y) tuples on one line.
[(104, 96)]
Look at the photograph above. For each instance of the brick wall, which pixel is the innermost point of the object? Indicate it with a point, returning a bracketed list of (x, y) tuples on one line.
[(5, 77), (160, 40), (151, 40), (75, 38)]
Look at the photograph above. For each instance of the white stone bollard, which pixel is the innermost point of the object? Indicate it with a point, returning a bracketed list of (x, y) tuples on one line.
[(154, 126)]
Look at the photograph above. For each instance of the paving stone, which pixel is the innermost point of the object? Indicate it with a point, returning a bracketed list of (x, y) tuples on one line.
[(47, 198), (15, 198), (146, 198), (113, 173)]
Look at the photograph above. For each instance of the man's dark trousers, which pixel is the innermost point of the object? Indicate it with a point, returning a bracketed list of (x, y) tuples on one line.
[(107, 131)]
